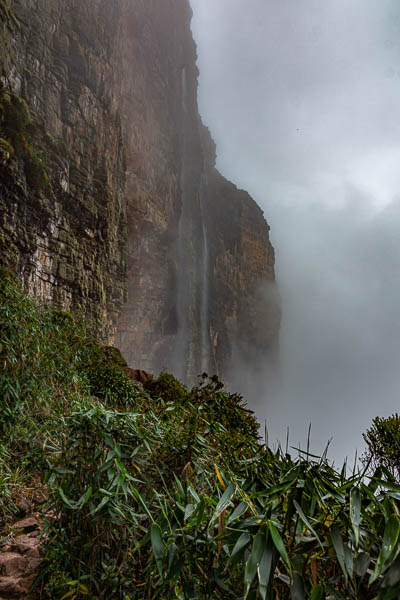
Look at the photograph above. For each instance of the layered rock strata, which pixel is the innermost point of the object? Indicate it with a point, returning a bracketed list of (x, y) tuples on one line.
[(135, 227)]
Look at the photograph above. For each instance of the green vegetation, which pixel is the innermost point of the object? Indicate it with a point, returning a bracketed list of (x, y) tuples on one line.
[(383, 444), (6, 151), (159, 491), (107, 377), (16, 128)]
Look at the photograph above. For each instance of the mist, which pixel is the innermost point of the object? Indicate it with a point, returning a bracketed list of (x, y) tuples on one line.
[(303, 99)]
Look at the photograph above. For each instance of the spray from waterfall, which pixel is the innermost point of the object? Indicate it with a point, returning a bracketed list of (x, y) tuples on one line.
[(182, 301), (204, 320)]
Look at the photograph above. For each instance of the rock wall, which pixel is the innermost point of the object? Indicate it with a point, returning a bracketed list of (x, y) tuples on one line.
[(112, 204), (67, 240)]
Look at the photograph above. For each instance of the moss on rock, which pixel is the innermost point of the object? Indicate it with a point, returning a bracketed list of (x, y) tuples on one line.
[(16, 127)]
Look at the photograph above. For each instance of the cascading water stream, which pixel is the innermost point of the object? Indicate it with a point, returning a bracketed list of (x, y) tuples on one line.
[(192, 350), (204, 329), (182, 302)]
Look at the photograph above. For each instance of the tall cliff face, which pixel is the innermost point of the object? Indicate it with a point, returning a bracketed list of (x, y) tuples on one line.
[(67, 239), (111, 202)]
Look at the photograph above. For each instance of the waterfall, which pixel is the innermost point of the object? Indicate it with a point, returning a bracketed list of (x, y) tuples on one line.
[(204, 283), (182, 301), (192, 345)]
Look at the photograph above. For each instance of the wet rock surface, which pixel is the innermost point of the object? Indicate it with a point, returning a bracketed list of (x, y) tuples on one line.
[(137, 230), (20, 558)]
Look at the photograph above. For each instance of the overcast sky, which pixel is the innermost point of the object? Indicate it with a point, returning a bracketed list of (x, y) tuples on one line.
[(303, 100)]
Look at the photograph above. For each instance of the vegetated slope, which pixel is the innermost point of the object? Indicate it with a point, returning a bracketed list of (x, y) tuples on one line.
[(158, 491)]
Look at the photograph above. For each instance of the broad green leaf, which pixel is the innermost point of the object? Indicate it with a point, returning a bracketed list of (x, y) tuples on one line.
[(390, 539), (264, 571), (200, 509), (238, 512), (339, 548), (180, 488), (201, 439), (176, 568), (171, 555), (297, 587), (194, 494), (253, 562), (189, 510), (85, 497), (224, 500), (139, 498), (306, 521), (395, 495), (276, 538), (389, 485), (361, 563), (348, 559), (106, 492), (387, 508), (66, 501), (355, 512), (285, 578), (281, 488), (292, 474), (250, 522), (100, 505), (63, 471), (157, 545), (241, 543)]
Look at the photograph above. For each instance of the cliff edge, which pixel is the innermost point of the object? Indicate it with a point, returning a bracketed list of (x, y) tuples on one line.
[(110, 203)]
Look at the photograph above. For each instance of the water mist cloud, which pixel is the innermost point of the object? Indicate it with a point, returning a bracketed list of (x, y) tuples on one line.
[(340, 340), (303, 101)]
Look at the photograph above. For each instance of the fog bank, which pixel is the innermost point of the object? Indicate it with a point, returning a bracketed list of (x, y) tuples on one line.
[(303, 101)]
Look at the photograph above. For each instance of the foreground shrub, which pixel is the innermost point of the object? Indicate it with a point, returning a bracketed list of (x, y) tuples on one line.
[(40, 361), (110, 383), (383, 444), (166, 492)]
